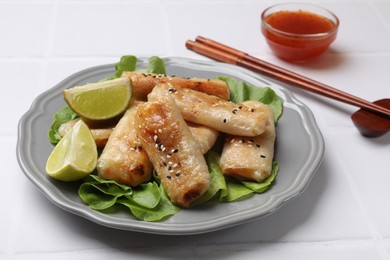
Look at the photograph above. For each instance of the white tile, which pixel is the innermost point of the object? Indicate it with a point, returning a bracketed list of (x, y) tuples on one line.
[(122, 253), (312, 216), (355, 34), (292, 251), (359, 30), (104, 29), (25, 29), (18, 90), (370, 182), (365, 76), (383, 8), (61, 228), (387, 246), (66, 232), (358, 74), (66, 235), (187, 21), (59, 69), (340, 215), (319, 250), (11, 191)]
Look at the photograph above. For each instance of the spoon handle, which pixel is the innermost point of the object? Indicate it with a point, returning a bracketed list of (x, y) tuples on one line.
[(224, 53)]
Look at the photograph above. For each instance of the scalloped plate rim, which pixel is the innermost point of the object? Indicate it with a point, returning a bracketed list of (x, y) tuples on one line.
[(168, 227)]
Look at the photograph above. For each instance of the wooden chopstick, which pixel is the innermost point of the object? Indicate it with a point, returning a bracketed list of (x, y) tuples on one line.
[(224, 53)]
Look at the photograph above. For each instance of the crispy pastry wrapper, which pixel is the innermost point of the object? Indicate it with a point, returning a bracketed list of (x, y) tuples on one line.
[(211, 111), (123, 159), (173, 151), (250, 158), (143, 84)]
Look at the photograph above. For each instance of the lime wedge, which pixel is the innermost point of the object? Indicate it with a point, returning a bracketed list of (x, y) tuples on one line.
[(75, 156), (100, 101)]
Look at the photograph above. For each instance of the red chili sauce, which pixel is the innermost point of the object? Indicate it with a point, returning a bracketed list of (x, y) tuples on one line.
[(300, 46)]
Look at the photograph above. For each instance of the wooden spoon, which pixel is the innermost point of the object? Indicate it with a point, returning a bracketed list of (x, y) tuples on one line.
[(371, 124)]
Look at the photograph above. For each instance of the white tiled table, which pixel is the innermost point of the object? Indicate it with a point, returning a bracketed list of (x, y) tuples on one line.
[(343, 214)]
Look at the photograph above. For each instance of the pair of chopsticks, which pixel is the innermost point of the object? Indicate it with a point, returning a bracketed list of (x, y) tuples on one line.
[(226, 54)]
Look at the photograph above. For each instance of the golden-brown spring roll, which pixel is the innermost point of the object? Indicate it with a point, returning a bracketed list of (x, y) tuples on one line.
[(211, 111), (123, 159), (204, 136), (143, 84), (100, 135), (250, 158), (173, 151)]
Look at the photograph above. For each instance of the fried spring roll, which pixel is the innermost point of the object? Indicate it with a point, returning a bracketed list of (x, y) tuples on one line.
[(173, 151), (100, 135), (250, 158), (211, 111), (143, 84), (123, 159), (204, 136)]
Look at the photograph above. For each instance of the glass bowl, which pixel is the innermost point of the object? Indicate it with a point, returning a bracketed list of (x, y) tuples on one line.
[(298, 32)]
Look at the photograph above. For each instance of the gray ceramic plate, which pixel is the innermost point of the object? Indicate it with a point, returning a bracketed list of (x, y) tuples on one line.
[(299, 151)]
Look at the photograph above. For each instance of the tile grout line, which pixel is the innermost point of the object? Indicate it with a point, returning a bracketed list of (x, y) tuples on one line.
[(72, 1), (14, 225), (53, 25), (376, 236), (169, 52), (380, 15), (16, 215), (14, 230), (168, 39), (197, 249), (50, 42), (48, 55)]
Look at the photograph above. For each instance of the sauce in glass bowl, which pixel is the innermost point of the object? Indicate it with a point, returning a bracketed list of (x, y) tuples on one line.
[(298, 32)]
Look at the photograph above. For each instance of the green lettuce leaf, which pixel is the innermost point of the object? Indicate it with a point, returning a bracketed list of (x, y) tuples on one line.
[(235, 191), (217, 183), (109, 187), (126, 63), (102, 194), (146, 202), (63, 115), (156, 65), (230, 189), (240, 91), (94, 198), (164, 209), (146, 195), (263, 186)]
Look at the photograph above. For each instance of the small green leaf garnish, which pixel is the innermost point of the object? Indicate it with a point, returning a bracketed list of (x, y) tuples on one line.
[(126, 63), (156, 65), (62, 116)]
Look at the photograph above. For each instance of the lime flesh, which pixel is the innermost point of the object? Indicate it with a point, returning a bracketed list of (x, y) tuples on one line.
[(75, 156), (100, 101)]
